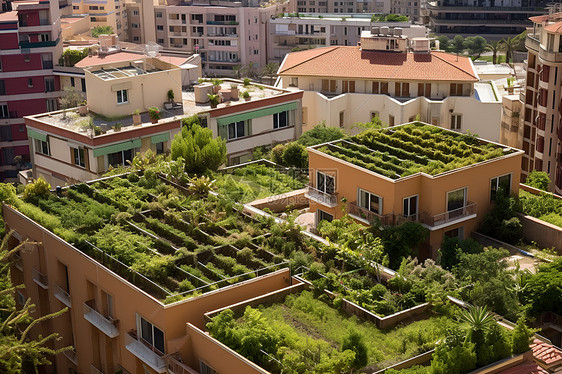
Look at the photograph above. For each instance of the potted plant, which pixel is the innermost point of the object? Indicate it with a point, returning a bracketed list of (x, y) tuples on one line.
[(83, 108), (234, 91), (136, 117), (247, 82), (216, 85), (214, 100), (246, 96), (154, 113), (171, 96), (117, 126)]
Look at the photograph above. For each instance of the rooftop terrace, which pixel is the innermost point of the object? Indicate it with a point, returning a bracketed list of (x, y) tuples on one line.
[(412, 148), (167, 241)]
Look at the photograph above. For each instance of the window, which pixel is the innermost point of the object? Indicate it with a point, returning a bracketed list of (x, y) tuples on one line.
[(206, 369), (122, 97), (456, 121), (136, 13), (134, 25), (49, 84), (455, 89), (2, 87), (390, 120), (369, 201), (44, 37), (160, 28), (160, 148), (152, 335), (51, 105), (4, 113), (5, 133), (342, 119), (238, 129), (294, 82), (158, 14), (136, 38), (348, 86), (47, 60), (29, 82), (424, 89), (455, 233), (83, 82), (120, 158), (160, 41), (456, 200), (42, 146), (72, 83), (325, 183), (323, 216), (384, 88), (410, 206), (281, 120), (503, 182), (78, 157)]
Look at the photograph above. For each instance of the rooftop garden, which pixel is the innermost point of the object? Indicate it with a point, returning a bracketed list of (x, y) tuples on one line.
[(169, 241), (304, 334), (409, 149)]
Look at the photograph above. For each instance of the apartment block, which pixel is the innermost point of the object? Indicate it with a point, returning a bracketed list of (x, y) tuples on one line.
[(29, 45), (488, 18), (103, 13), (289, 33), (388, 175), (225, 34), (394, 77), (343, 8), (542, 126)]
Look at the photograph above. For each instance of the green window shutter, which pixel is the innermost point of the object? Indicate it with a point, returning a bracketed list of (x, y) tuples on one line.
[(102, 151), (160, 138), (36, 135), (256, 114)]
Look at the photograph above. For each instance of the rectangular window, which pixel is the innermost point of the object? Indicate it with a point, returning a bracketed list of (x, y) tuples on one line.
[(160, 148), (49, 84), (390, 120), (29, 82), (122, 97), (152, 335), (456, 200), (47, 60), (411, 207), (206, 369), (281, 120), (369, 201), (136, 13), (384, 88), (5, 133), (72, 83), (238, 129), (51, 105), (83, 83), (42, 146), (342, 119), (78, 157), (4, 113), (325, 183), (503, 182), (456, 121), (375, 88), (323, 216), (158, 14)]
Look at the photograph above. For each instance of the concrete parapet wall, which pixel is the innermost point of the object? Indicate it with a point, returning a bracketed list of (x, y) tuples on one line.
[(545, 234)]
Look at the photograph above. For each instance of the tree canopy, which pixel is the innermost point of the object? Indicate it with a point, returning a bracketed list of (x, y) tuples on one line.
[(99, 30), (200, 152)]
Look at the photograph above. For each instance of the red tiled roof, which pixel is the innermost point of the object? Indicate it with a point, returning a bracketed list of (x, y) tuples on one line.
[(555, 28), (525, 368), (352, 62), (546, 353), (539, 19), (107, 59)]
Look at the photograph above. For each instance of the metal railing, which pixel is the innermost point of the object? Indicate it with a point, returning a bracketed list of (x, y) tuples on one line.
[(101, 322), (449, 216), (358, 211), (176, 366), (62, 295), (40, 278), (325, 198)]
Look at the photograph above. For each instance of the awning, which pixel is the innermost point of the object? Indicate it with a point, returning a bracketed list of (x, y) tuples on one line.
[(36, 135), (256, 114), (102, 151), (160, 138)]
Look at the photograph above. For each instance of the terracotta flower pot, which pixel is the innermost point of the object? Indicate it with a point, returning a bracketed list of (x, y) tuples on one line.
[(83, 110), (136, 119)]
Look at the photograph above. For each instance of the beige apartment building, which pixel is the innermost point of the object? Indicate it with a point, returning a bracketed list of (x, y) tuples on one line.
[(370, 176), (288, 33), (103, 13), (225, 34), (344, 8), (395, 78)]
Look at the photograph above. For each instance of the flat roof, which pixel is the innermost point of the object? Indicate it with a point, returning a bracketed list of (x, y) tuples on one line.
[(9, 16), (399, 151)]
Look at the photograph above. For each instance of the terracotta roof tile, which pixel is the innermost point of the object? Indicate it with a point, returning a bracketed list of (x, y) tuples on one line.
[(352, 62), (555, 28), (107, 59), (525, 368), (546, 353)]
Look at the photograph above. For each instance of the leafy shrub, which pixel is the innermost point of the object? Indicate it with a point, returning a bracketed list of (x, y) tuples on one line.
[(277, 154), (295, 155), (521, 337), (198, 149), (320, 134), (38, 188), (538, 179), (354, 342)]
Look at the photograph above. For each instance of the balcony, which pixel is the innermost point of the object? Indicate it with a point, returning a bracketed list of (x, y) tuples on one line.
[(175, 365), (532, 42), (52, 43), (367, 216), (40, 278), (104, 324), (71, 355), (95, 370), (321, 197), (550, 56), (144, 352), (62, 295), (18, 261), (448, 218), (222, 22)]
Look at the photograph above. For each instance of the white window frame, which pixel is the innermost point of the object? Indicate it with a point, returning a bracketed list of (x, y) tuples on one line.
[(319, 212), (153, 327), (456, 122), (40, 146), (4, 111), (368, 205), (277, 117), (236, 130), (495, 183), (122, 96), (409, 213), (77, 157), (323, 186)]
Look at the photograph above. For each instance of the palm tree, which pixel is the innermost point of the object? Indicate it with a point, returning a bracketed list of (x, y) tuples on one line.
[(270, 71), (237, 70), (509, 45), (494, 46), (250, 70), (478, 317)]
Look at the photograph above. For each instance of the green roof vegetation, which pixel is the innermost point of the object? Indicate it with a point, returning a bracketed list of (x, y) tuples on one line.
[(413, 148)]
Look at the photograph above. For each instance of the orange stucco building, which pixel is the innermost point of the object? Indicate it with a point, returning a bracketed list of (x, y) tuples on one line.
[(452, 202)]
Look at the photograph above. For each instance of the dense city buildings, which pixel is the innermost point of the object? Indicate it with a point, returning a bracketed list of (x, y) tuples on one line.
[(541, 119), (30, 45), (104, 13)]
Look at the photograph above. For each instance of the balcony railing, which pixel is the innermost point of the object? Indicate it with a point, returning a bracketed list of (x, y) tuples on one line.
[(104, 324), (448, 217), (324, 198), (550, 56), (144, 353), (52, 43), (222, 22), (175, 366), (40, 278), (62, 295), (366, 214), (71, 355)]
